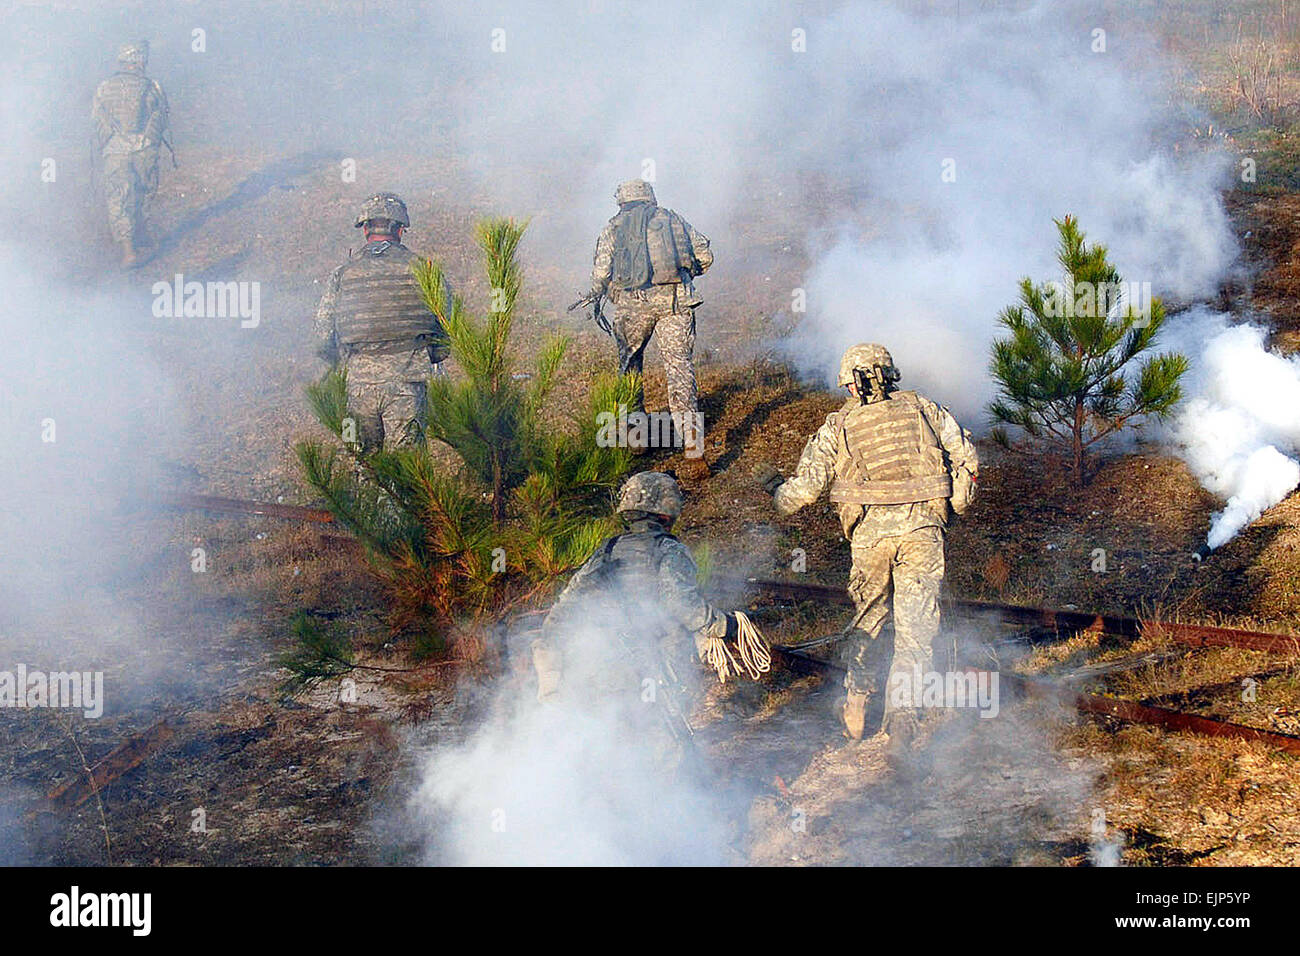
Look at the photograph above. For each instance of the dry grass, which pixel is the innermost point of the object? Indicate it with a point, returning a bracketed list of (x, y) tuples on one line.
[(1187, 800), (1257, 75)]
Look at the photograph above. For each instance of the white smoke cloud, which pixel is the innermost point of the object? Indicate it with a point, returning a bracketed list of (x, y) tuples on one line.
[(1035, 126), (542, 114), (88, 417), (1239, 427), (587, 779)]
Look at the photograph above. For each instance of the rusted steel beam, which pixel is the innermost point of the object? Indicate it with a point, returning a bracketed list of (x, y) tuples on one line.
[(1126, 710), (241, 506), (127, 756), (1133, 712), (1195, 635)]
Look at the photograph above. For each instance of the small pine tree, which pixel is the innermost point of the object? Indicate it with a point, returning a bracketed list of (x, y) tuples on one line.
[(488, 416), (1062, 373), (540, 494), (320, 652)]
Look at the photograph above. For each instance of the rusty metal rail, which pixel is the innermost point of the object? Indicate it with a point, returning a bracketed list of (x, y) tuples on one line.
[(1194, 635), (127, 756), (1130, 711), (1126, 710)]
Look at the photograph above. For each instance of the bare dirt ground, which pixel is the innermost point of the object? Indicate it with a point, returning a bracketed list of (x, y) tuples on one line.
[(310, 780)]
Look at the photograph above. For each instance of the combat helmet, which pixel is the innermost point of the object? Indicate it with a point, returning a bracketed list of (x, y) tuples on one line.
[(383, 206), (651, 492), (133, 53), (867, 356), (634, 190)]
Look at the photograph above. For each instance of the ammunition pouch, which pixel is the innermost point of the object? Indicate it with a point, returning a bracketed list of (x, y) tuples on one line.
[(963, 491)]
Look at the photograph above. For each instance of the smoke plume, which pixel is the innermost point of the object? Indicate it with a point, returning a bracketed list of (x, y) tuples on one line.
[(1239, 427), (590, 778), (1030, 125)]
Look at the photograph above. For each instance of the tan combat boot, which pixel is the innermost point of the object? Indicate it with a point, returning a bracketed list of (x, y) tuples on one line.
[(855, 714), (901, 753)]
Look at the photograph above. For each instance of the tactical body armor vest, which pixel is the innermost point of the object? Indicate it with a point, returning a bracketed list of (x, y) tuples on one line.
[(622, 594), (651, 247), (380, 307), (894, 456), (124, 98), (629, 563)]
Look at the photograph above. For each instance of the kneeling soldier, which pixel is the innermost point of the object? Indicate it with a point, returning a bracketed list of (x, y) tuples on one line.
[(625, 625)]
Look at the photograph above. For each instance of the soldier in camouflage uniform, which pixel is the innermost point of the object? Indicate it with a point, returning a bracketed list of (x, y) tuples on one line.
[(130, 116), (896, 464), (646, 260), (624, 626), (374, 320)]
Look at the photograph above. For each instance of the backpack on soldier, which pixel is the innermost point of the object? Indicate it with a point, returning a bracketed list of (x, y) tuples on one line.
[(632, 267)]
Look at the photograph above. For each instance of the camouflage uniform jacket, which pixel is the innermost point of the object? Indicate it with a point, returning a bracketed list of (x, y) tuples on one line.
[(826, 456), (130, 113)]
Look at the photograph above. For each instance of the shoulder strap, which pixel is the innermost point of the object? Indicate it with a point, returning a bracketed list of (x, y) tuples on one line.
[(660, 538)]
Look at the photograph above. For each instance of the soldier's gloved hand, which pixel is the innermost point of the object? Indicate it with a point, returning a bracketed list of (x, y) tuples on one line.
[(768, 478), (730, 631), (546, 661), (701, 645)]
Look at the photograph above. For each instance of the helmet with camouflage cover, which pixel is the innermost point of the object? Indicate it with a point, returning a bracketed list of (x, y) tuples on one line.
[(383, 206), (865, 356), (634, 190), (133, 53), (652, 492)]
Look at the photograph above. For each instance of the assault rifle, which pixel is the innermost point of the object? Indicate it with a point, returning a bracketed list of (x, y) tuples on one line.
[(669, 700), (593, 299)]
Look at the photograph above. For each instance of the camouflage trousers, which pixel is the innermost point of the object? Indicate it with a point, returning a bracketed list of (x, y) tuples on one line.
[(642, 313), (130, 180), (909, 569), (388, 394)]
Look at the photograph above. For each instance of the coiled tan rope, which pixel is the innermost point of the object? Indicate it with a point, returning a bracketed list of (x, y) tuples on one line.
[(755, 655)]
